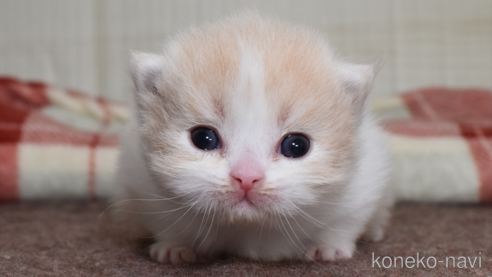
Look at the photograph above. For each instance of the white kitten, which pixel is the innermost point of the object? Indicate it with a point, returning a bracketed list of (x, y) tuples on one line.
[(250, 138)]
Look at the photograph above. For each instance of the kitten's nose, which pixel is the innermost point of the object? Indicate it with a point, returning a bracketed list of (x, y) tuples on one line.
[(247, 174)]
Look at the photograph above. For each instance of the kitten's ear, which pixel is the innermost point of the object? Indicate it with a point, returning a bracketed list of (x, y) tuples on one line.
[(356, 82), (145, 69)]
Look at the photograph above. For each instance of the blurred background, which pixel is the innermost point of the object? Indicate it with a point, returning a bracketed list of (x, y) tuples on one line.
[(55, 143), (83, 45)]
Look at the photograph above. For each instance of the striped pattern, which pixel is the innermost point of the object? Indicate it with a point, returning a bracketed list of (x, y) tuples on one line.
[(56, 144), (441, 141), (61, 144)]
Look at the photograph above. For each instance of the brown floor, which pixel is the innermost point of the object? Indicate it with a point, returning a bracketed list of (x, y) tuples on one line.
[(68, 239)]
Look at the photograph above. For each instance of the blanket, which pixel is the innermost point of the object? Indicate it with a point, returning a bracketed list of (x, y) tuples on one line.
[(56, 144), (63, 144)]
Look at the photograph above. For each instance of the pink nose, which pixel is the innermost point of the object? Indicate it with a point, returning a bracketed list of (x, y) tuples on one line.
[(247, 174)]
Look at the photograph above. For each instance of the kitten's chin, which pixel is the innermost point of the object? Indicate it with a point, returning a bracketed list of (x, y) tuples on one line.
[(246, 208), (245, 211)]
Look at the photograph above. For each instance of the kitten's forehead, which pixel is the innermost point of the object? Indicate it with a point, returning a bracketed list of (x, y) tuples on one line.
[(257, 72)]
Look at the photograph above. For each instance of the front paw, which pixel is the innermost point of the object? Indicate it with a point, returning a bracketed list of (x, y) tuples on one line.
[(166, 254), (328, 253)]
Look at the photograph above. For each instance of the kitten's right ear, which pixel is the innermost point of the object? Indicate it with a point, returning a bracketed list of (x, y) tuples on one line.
[(145, 70), (356, 82)]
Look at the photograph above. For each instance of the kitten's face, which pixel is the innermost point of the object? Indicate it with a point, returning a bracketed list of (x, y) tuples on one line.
[(217, 109)]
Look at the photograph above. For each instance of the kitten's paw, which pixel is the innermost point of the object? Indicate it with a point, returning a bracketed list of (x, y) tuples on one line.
[(327, 253), (166, 254)]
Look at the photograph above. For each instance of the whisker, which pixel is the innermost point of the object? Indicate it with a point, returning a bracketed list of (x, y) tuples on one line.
[(206, 235), (207, 212), (261, 229), (293, 232), (160, 198), (187, 205), (187, 226), (313, 220), (302, 229), (307, 216), (126, 200), (308, 236), (174, 221), (282, 229), (292, 240), (161, 212)]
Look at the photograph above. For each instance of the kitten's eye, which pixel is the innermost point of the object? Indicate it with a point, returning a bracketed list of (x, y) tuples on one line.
[(205, 138), (294, 146)]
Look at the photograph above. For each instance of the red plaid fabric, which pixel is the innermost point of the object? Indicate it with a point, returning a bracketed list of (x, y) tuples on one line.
[(454, 126), (45, 150), (471, 112), (63, 144)]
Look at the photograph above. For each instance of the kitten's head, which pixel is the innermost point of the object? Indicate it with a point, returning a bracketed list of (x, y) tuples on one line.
[(249, 117)]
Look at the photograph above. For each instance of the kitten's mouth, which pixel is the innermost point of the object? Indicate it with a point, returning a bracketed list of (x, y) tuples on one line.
[(246, 209), (248, 195), (249, 206), (248, 199), (247, 203)]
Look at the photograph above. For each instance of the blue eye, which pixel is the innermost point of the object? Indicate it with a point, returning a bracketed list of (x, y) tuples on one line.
[(294, 146), (205, 138)]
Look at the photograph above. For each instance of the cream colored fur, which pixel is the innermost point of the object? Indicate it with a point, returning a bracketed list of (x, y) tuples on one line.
[(252, 80)]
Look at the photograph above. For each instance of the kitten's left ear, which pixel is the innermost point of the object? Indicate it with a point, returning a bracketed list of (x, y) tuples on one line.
[(356, 82)]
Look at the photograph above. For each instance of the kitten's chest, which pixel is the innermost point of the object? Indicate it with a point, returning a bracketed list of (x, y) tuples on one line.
[(257, 240)]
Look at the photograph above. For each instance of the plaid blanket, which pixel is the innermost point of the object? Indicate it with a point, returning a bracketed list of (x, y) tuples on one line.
[(62, 144), (441, 144), (56, 144)]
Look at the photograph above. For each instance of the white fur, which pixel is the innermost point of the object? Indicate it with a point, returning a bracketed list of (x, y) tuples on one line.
[(179, 193)]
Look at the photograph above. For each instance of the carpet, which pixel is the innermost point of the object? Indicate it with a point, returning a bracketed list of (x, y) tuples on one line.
[(68, 239)]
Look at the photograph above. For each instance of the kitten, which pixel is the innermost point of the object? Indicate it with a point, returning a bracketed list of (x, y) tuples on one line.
[(251, 138)]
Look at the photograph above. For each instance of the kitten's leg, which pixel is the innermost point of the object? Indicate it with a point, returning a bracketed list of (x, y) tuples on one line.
[(163, 252), (377, 224), (337, 243)]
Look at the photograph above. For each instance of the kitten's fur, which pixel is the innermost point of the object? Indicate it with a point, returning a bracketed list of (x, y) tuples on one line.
[(252, 80)]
